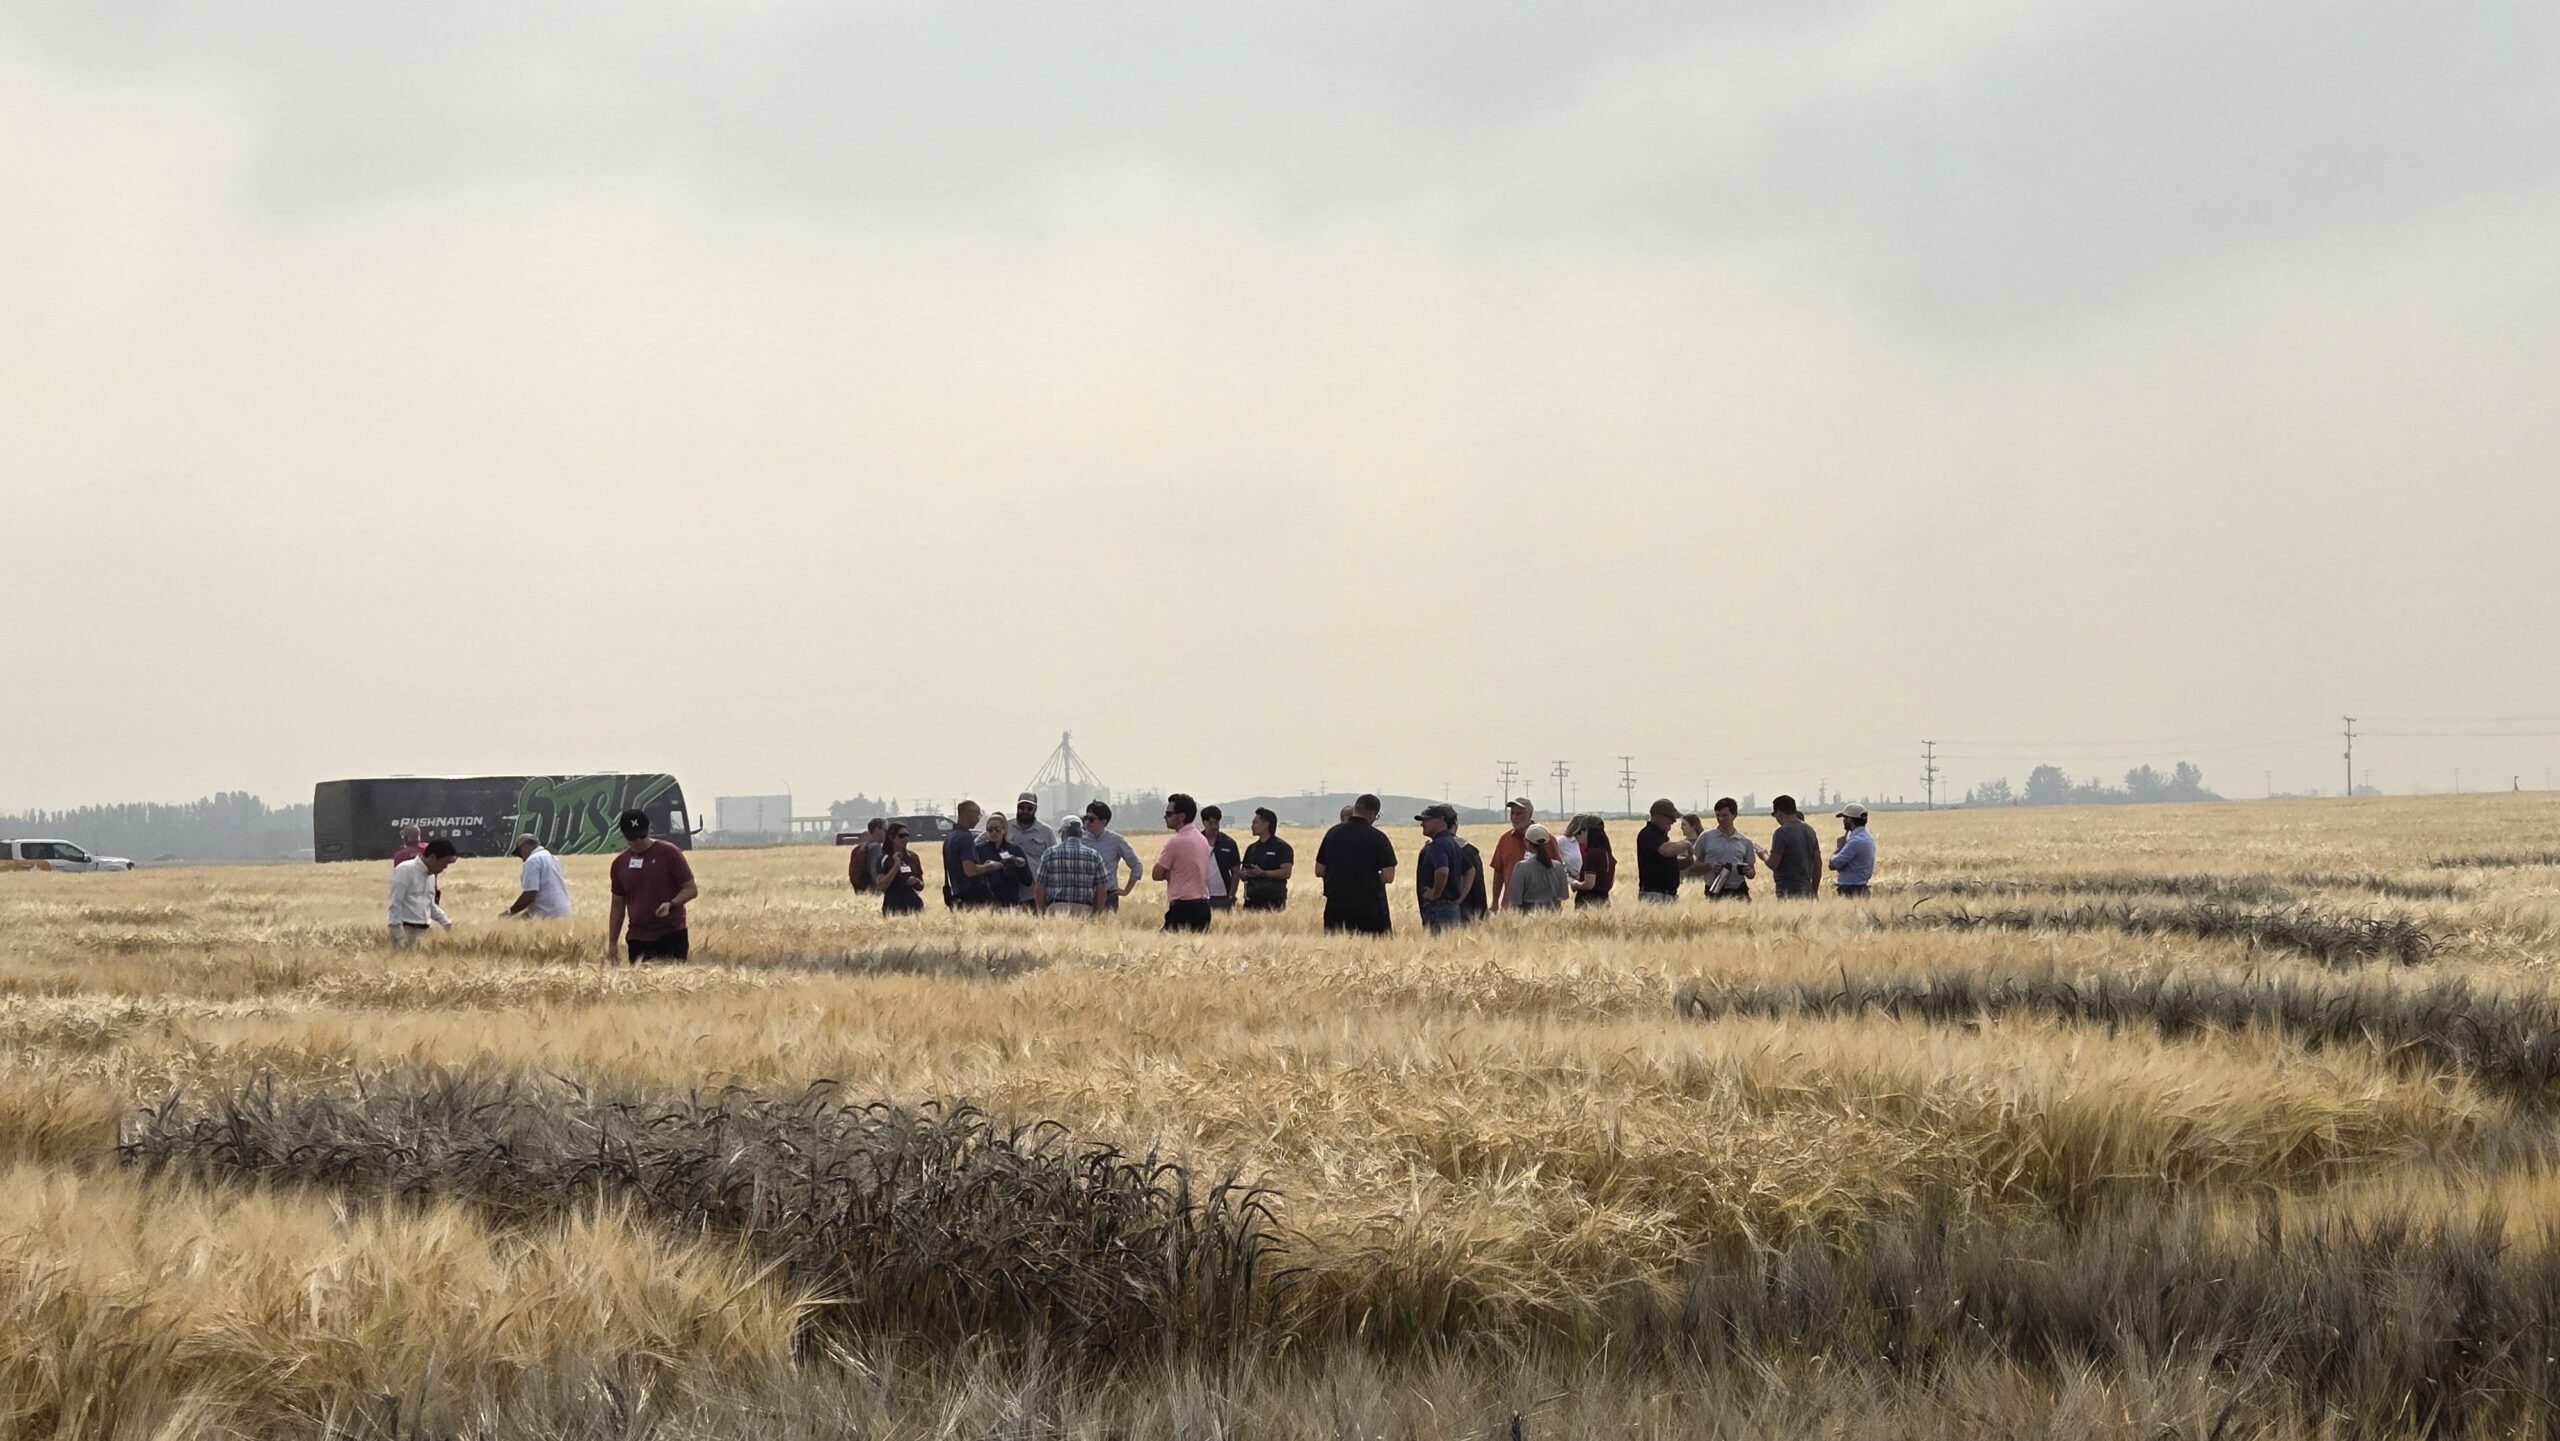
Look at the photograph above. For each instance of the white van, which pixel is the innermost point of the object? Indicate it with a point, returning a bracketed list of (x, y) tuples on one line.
[(55, 856)]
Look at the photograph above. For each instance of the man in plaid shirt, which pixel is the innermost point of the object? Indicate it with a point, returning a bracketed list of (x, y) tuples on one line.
[(1071, 874)]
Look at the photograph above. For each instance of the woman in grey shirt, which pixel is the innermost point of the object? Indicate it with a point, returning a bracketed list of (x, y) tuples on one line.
[(1540, 882)]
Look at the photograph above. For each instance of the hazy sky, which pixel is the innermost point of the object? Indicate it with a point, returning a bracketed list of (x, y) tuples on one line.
[(855, 396)]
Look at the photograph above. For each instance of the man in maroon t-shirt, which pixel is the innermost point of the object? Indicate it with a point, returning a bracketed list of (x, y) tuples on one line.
[(413, 844), (651, 883)]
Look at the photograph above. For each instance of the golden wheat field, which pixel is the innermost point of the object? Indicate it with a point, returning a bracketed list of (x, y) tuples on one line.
[(2227, 1120)]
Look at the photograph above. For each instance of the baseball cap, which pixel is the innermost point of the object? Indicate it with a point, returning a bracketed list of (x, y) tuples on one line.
[(1438, 810), (1537, 835), (1854, 812), (1027, 798), (1521, 803), (1071, 829), (633, 823)]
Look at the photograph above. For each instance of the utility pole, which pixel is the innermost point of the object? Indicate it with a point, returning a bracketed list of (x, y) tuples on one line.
[(1510, 774), (1627, 780), (2271, 785), (2351, 756), (1929, 771), (1560, 770)]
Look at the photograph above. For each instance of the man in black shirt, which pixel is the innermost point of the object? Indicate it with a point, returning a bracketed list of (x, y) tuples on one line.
[(1357, 863), (1794, 856), (1658, 874), (1268, 863)]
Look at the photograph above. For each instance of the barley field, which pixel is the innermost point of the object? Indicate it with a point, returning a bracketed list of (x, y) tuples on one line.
[(2229, 1120)]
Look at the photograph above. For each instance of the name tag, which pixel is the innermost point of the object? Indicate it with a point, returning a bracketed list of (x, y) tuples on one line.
[(635, 864)]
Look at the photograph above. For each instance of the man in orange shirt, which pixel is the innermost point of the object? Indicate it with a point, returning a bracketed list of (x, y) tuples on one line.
[(1511, 849)]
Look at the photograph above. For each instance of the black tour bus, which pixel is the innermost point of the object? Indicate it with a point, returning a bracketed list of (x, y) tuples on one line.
[(360, 820)]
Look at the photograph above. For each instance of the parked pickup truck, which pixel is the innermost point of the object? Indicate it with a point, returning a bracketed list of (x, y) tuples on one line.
[(55, 856)]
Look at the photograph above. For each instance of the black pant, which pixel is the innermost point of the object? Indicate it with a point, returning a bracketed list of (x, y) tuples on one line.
[(1357, 917), (673, 946), (1279, 902), (901, 901), (1849, 893), (1186, 915), (1799, 890), (1736, 893)]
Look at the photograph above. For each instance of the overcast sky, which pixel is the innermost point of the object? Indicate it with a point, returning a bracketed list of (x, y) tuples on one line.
[(852, 397)]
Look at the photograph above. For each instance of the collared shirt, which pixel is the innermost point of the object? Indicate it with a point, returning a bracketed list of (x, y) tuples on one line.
[(1224, 858), (1010, 883), (550, 888), (1714, 848), (1033, 838), (1656, 873), (1855, 860), (1070, 871), (1268, 854), (1439, 851), (1187, 865), (413, 895), (1115, 850), (957, 848)]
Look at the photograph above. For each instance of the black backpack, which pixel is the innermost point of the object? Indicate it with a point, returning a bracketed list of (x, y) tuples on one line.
[(1471, 897)]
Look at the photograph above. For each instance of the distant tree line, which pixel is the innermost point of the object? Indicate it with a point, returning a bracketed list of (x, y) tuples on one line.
[(231, 826), (2048, 786)]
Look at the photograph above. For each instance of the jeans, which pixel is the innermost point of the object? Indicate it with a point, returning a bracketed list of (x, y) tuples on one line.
[(403, 935), (1438, 916), (673, 946)]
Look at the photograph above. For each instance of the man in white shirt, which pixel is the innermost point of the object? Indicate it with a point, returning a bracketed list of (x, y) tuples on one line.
[(413, 894), (543, 893)]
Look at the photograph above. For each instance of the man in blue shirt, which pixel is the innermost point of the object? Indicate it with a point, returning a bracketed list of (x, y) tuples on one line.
[(1441, 874), (963, 883), (1853, 861), (1115, 850)]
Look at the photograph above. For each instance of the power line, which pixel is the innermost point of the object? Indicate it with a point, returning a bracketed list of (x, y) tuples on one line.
[(2351, 756), (1929, 771), (1627, 781), (1510, 774), (1560, 770)]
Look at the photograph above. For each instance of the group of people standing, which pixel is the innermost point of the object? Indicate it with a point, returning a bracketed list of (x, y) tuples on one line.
[(1085, 867), (651, 884)]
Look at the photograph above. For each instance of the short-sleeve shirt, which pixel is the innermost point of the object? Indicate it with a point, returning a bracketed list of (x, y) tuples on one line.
[(541, 875), (1656, 873), (1187, 865), (959, 846), (1713, 848), (1795, 856), (1115, 850), (1601, 864), (1352, 854), (1268, 855), (1222, 849), (648, 879), (1070, 872), (1440, 850)]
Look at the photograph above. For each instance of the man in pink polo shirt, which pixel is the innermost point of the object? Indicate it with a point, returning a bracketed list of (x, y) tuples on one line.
[(1184, 866)]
